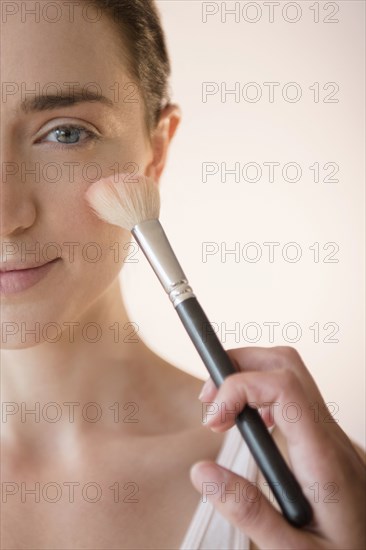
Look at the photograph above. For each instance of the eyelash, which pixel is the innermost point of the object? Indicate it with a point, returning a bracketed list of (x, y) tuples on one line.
[(91, 136)]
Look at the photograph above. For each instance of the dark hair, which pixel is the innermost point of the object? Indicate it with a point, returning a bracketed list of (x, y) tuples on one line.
[(139, 23)]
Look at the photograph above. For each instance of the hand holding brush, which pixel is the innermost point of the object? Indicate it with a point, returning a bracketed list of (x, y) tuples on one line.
[(133, 203)]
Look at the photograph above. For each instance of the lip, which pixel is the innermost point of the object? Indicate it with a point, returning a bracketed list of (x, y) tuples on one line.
[(12, 282)]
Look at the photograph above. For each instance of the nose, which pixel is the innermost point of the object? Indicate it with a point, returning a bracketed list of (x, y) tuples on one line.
[(17, 206)]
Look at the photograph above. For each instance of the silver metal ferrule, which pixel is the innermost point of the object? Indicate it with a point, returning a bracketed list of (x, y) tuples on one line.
[(152, 239)]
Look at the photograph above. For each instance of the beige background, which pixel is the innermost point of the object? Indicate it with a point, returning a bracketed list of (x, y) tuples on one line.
[(305, 212)]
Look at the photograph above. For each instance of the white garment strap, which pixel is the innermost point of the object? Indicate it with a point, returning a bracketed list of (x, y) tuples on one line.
[(208, 529)]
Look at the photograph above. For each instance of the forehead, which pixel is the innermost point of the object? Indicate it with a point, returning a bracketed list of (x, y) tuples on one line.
[(61, 42)]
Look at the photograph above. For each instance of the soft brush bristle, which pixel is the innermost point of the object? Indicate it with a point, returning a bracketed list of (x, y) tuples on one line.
[(124, 199)]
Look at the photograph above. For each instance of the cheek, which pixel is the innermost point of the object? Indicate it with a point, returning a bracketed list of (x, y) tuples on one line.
[(91, 254), (86, 241), (93, 249)]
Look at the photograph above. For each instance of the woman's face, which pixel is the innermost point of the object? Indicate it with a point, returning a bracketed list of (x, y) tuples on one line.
[(53, 150)]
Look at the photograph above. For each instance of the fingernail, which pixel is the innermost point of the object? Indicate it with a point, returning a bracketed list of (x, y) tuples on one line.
[(205, 470), (195, 474), (211, 420), (206, 388)]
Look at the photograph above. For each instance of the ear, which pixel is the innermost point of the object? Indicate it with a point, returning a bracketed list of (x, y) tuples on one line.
[(161, 138)]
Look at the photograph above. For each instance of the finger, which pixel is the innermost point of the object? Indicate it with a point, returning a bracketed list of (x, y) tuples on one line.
[(207, 396), (280, 390), (265, 359), (253, 358), (246, 507), (266, 412), (284, 357), (256, 359), (208, 390), (305, 438)]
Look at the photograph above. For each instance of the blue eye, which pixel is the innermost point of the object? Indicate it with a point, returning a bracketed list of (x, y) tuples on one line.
[(67, 134), (70, 135)]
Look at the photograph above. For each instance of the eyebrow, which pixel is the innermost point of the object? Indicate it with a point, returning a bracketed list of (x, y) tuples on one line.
[(50, 102)]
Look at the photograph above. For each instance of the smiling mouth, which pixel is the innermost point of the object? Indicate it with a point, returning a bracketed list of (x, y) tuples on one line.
[(18, 280), (19, 266)]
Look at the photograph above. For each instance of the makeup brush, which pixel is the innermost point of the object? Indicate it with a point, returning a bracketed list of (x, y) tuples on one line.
[(133, 203)]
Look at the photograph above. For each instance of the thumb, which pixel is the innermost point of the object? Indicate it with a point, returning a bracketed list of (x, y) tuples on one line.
[(243, 504)]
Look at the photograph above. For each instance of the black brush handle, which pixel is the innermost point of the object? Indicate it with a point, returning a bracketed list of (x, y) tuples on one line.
[(281, 480)]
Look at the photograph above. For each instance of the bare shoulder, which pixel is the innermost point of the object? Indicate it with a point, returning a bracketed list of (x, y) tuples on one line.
[(168, 397), (177, 413), (179, 392)]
